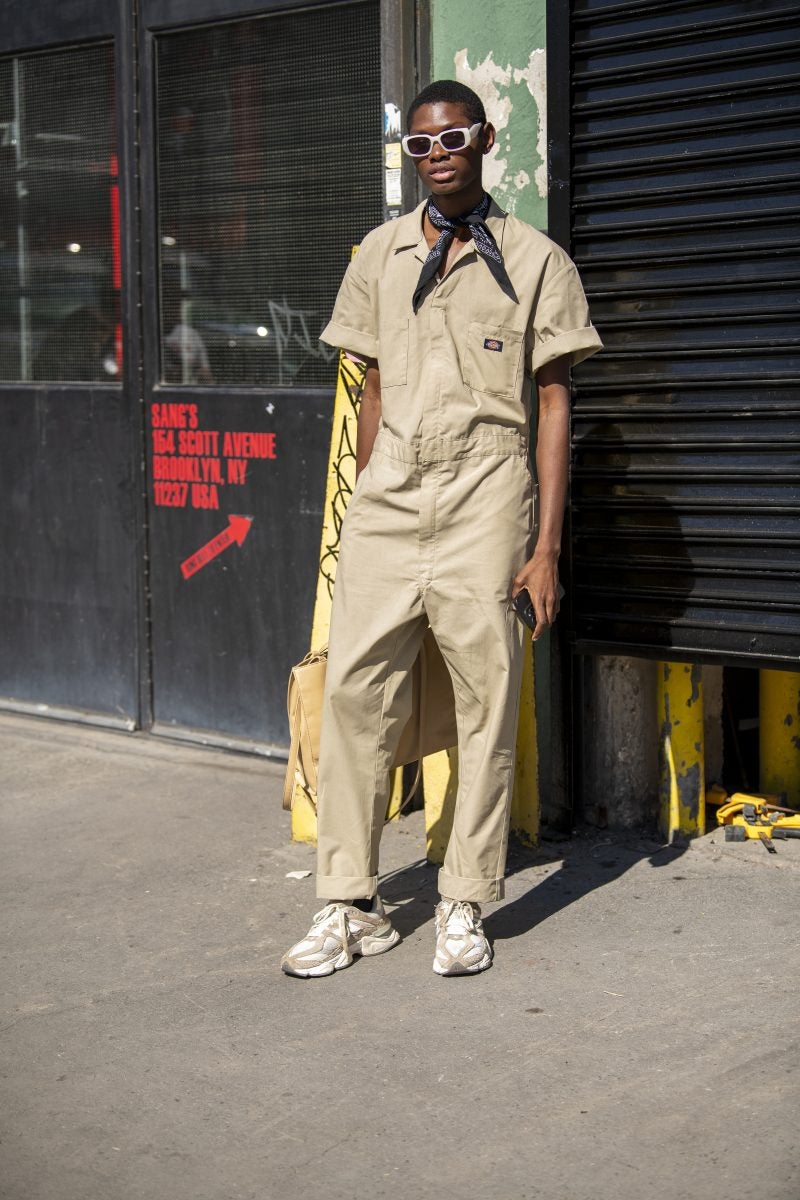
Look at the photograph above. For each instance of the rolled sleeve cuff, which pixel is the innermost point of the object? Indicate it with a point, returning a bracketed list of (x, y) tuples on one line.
[(350, 339), (577, 344)]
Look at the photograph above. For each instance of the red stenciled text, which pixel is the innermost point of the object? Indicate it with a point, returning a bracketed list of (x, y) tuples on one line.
[(190, 464)]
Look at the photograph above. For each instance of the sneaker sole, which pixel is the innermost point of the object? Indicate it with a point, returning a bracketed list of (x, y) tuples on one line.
[(368, 946), (459, 969)]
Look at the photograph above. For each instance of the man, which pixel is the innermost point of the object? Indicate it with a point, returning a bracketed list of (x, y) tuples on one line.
[(454, 308)]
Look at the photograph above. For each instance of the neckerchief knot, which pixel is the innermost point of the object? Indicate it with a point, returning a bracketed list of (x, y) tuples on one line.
[(482, 236)]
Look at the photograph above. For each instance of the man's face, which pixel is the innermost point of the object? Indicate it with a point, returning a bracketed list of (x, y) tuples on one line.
[(444, 172)]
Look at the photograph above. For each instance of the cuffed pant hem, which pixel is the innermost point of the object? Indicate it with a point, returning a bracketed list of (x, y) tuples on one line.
[(346, 887), (479, 891)]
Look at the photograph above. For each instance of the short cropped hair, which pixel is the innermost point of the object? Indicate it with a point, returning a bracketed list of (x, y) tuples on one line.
[(449, 91)]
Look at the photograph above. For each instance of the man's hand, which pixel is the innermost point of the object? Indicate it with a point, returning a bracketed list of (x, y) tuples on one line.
[(540, 577), (540, 573)]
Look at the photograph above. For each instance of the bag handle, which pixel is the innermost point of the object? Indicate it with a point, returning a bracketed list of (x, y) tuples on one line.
[(294, 750)]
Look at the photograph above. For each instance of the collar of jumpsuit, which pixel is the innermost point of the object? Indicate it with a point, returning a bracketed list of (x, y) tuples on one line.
[(459, 365)]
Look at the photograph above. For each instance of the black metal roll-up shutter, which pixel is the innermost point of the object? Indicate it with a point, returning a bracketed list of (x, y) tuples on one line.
[(685, 515)]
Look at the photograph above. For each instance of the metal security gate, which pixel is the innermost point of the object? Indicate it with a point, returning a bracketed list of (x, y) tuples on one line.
[(70, 520), (267, 164), (181, 187), (685, 199)]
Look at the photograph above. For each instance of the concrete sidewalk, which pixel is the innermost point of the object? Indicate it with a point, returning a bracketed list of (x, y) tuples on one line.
[(637, 1037)]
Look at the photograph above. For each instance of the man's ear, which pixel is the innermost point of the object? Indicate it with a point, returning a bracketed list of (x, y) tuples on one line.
[(488, 136)]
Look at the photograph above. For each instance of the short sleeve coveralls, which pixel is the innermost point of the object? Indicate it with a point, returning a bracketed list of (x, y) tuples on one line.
[(440, 521)]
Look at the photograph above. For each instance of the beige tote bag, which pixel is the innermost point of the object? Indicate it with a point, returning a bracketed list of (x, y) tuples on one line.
[(431, 726)]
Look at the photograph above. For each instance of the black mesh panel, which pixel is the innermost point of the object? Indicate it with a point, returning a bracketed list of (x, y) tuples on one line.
[(270, 143), (59, 239)]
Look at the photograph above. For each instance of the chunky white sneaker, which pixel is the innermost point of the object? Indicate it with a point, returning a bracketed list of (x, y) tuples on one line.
[(338, 933), (461, 945)]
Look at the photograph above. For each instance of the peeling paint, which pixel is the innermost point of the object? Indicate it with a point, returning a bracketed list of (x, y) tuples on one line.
[(498, 87), (681, 773), (689, 795), (535, 77)]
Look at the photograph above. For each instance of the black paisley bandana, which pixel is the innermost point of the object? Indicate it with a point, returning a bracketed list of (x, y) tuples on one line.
[(485, 245)]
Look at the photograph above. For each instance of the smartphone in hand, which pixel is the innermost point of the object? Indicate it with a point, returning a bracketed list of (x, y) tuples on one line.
[(523, 606)]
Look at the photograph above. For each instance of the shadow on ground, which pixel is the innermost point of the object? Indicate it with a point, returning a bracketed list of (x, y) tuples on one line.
[(588, 861)]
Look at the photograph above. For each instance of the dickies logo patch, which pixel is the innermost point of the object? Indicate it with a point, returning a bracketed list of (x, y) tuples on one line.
[(492, 344)]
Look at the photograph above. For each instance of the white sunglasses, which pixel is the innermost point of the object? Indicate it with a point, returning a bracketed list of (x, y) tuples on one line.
[(420, 145)]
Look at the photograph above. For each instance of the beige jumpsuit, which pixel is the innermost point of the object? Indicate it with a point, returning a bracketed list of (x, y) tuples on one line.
[(440, 522)]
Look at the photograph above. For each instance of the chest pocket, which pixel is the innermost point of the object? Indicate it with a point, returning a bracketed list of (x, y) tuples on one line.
[(393, 353), (492, 358)]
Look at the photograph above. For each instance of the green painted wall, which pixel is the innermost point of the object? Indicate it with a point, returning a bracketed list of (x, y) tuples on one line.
[(499, 51)]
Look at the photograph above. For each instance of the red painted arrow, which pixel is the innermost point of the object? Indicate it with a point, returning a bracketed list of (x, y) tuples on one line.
[(237, 531)]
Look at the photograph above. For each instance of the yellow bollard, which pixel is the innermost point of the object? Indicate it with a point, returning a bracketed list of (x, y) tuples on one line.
[(681, 757), (396, 796), (440, 780), (779, 735), (525, 804)]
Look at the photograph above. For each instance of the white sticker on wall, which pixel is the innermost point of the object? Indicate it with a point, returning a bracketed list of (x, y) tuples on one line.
[(393, 155), (394, 191), (391, 120)]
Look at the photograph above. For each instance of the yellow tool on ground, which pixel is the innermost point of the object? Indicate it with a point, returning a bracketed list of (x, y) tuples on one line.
[(745, 816)]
